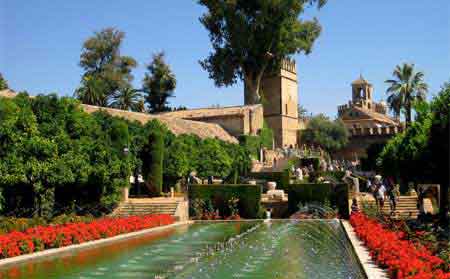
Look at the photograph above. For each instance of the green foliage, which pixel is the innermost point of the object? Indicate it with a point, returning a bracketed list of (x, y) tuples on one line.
[(254, 143), (213, 160), (329, 135), (51, 151), (158, 84), (107, 75), (153, 161), (55, 158), (3, 83), (420, 154), (249, 197), (406, 88), (128, 99), (250, 38), (336, 194)]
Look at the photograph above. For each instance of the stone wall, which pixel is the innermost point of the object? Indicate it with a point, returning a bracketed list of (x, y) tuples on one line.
[(238, 120), (280, 101)]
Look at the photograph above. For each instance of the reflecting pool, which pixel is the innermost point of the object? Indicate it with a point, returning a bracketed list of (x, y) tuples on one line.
[(279, 249)]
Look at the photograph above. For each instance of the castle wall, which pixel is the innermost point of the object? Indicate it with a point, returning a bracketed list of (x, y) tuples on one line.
[(239, 120)]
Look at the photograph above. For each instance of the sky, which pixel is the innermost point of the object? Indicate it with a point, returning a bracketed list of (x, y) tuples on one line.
[(41, 42)]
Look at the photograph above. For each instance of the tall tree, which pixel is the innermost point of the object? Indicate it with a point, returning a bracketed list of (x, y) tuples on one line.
[(407, 87), (3, 83), (329, 135), (252, 37), (107, 72), (158, 84), (128, 99)]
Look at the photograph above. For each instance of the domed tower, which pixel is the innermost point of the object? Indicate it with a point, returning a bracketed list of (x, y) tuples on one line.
[(362, 92)]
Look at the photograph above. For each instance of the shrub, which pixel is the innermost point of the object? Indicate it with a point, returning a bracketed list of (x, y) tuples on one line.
[(153, 162), (249, 197)]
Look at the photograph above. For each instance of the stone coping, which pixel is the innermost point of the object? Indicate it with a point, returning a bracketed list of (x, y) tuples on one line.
[(371, 270), (89, 244)]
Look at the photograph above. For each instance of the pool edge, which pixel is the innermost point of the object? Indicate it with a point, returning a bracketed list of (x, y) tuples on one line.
[(371, 270), (54, 251)]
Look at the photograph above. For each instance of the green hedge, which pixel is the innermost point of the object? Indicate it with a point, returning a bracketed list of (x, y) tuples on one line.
[(249, 197), (281, 178), (337, 194)]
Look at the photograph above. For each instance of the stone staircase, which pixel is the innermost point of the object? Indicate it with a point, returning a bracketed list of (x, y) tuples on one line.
[(146, 206), (406, 207)]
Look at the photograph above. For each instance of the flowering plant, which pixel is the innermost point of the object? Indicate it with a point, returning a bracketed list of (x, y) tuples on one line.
[(45, 237), (392, 251)]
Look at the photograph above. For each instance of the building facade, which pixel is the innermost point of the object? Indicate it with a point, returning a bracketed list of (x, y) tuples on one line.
[(367, 121)]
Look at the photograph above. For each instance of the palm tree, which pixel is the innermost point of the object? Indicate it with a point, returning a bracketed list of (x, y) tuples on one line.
[(406, 88), (128, 99), (92, 92)]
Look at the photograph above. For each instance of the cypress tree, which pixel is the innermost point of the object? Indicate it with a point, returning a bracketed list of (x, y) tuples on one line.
[(153, 161)]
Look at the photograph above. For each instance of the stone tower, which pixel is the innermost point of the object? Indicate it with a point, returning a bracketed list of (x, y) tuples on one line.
[(362, 92), (280, 102)]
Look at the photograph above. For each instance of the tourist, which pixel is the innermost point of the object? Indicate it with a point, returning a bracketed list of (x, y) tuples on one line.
[(299, 174), (193, 179), (390, 187), (380, 192), (355, 208)]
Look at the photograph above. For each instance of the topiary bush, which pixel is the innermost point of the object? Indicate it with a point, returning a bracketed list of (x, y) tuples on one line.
[(153, 162)]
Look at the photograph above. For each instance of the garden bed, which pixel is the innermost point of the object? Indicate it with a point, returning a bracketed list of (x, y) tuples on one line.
[(402, 258), (47, 237)]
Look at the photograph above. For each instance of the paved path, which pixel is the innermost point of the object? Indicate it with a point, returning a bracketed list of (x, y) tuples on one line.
[(370, 268)]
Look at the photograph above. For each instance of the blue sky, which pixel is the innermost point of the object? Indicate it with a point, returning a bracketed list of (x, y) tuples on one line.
[(41, 40)]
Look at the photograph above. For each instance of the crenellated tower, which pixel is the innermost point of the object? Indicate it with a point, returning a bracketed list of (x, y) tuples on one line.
[(280, 102)]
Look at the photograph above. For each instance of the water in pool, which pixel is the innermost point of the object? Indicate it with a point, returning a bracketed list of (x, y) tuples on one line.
[(279, 249)]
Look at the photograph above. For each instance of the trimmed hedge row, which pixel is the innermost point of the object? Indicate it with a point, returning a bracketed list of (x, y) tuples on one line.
[(337, 194), (249, 197), (281, 178)]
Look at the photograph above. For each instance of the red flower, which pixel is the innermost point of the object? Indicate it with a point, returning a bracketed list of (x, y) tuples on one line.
[(400, 257), (40, 238)]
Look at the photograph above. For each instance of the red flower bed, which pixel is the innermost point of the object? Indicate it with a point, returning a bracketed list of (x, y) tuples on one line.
[(400, 257), (46, 237)]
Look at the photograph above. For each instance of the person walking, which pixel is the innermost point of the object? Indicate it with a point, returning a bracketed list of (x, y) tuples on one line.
[(391, 192), (380, 192)]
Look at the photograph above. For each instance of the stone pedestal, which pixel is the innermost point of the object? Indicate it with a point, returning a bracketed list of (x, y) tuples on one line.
[(125, 194)]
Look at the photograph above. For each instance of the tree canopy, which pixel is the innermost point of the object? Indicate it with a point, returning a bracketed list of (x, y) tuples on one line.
[(54, 157), (420, 154), (329, 135), (158, 84), (3, 83), (407, 87), (107, 73), (251, 37)]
